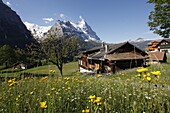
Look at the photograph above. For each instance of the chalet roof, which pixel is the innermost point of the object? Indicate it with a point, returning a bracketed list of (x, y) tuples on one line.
[(156, 56), (116, 46), (124, 56), (166, 39), (98, 55), (101, 54), (159, 40), (93, 49)]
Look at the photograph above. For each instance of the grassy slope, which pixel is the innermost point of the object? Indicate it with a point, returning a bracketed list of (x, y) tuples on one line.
[(67, 70), (73, 66)]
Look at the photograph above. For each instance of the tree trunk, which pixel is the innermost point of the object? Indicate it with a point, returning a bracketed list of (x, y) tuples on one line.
[(61, 71)]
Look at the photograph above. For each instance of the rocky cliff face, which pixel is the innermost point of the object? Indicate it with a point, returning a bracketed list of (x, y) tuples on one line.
[(12, 30), (80, 29)]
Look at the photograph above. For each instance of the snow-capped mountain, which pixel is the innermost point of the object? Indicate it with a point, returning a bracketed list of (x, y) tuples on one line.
[(60, 28), (36, 30), (80, 29)]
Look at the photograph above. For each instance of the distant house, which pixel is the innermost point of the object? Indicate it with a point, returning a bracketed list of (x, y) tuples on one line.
[(162, 45), (21, 65), (153, 46), (111, 58), (155, 57)]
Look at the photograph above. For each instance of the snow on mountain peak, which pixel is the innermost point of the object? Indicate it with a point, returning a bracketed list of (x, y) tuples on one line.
[(81, 23), (36, 30)]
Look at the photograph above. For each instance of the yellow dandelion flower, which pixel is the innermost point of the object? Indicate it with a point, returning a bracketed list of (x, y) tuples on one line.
[(148, 78), (99, 75), (48, 94), (148, 74), (53, 89), (92, 97), (43, 105), (16, 98), (156, 73), (141, 70), (31, 93), (138, 75), (9, 81), (144, 76), (99, 103), (83, 111), (87, 111), (98, 100)]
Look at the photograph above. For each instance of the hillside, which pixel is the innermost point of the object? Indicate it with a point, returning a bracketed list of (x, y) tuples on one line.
[(12, 30)]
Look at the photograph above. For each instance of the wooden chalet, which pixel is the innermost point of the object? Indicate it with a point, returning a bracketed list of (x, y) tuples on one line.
[(162, 45), (153, 46), (111, 58)]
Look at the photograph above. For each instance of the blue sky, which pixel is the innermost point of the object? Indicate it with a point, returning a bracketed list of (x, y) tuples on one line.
[(113, 20)]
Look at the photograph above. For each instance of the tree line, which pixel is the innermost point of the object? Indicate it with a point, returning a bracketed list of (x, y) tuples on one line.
[(58, 51)]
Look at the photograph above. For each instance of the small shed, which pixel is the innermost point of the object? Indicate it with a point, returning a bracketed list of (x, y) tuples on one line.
[(21, 65)]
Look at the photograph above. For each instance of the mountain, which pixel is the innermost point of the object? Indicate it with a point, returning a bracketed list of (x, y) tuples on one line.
[(12, 30), (80, 29), (141, 43), (36, 30)]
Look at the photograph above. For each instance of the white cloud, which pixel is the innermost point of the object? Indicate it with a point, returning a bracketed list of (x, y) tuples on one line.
[(62, 15), (47, 20), (8, 3)]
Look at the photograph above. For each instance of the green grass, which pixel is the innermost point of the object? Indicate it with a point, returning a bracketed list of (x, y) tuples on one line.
[(68, 68), (121, 93), (124, 92)]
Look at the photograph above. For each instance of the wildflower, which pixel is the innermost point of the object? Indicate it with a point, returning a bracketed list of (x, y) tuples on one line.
[(99, 75), (97, 101), (148, 74), (86, 111), (43, 105), (44, 78), (16, 98), (19, 96), (52, 71), (9, 81), (48, 94), (53, 89), (145, 76), (138, 75), (140, 70), (156, 73), (148, 78), (69, 88), (11, 84), (66, 82), (92, 98), (67, 78), (31, 93)]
